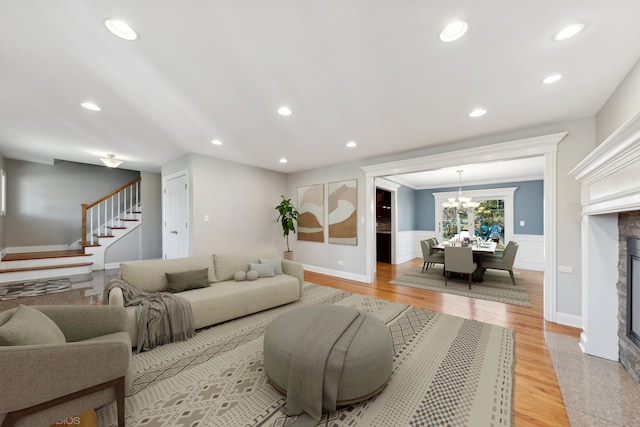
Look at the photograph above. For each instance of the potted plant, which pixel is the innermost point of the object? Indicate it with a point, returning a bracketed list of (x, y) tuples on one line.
[(288, 218)]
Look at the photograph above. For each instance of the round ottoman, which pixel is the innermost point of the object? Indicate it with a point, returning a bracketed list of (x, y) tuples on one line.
[(368, 360)]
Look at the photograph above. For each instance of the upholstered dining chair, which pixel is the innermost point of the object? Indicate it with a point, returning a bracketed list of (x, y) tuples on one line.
[(504, 262), (429, 255), (458, 259)]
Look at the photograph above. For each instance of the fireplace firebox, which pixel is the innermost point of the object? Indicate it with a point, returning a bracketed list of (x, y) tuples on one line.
[(633, 291)]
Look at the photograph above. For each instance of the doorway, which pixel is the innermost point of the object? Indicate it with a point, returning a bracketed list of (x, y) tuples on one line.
[(383, 225)]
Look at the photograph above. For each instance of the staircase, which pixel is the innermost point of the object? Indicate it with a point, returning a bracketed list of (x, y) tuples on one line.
[(104, 222)]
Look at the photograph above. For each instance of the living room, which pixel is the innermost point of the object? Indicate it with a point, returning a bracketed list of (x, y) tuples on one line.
[(231, 196)]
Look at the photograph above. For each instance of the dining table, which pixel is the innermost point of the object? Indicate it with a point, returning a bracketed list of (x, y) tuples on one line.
[(478, 249)]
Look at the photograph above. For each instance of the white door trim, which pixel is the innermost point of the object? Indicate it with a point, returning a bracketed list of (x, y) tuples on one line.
[(544, 145)]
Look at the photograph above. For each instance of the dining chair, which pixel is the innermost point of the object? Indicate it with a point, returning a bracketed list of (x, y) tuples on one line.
[(504, 262), (459, 259), (429, 255)]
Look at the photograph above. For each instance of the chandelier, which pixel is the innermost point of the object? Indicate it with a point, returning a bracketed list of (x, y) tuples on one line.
[(460, 203)]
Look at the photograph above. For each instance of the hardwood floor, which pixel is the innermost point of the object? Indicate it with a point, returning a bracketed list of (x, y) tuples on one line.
[(537, 399)]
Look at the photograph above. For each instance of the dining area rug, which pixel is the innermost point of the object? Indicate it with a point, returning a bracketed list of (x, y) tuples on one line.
[(446, 371), (496, 286)]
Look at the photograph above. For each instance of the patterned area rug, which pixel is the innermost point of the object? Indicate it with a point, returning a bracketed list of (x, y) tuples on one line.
[(497, 285), (31, 289), (447, 371)]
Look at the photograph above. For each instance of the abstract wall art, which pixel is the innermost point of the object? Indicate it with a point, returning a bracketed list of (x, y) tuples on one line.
[(343, 212), (311, 213)]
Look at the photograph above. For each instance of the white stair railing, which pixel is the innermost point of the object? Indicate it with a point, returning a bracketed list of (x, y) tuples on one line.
[(110, 209)]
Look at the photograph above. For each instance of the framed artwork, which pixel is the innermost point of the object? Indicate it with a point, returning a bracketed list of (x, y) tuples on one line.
[(343, 212), (311, 213)]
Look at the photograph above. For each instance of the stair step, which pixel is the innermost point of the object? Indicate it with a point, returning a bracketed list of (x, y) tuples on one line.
[(45, 267), (101, 236), (91, 245), (44, 255), (117, 228), (129, 219)]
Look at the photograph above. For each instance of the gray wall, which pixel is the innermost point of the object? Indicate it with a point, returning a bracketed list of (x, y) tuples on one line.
[(151, 199), (44, 201), (528, 205), (621, 106), (240, 201)]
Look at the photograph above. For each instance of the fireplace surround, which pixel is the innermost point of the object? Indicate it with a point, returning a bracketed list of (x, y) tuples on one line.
[(610, 199)]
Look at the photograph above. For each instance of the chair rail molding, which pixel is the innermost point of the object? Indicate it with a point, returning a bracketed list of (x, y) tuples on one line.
[(544, 145)]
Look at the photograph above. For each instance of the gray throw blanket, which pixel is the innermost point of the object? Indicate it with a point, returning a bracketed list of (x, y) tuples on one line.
[(161, 317), (316, 365)]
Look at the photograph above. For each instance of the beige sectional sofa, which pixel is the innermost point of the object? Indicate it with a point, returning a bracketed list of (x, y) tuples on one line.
[(225, 298)]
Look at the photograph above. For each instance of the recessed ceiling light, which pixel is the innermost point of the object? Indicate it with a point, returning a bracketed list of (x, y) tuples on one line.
[(552, 78), (91, 106), (568, 32), (453, 31), (283, 160), (478, 112), (216, 142), (284, 111), (352, 144), (120, 29)]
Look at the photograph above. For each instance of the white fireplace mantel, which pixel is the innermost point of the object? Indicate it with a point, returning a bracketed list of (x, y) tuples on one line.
[(609, 178)]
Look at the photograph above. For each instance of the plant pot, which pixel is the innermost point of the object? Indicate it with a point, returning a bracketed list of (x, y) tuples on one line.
[(288, 255)]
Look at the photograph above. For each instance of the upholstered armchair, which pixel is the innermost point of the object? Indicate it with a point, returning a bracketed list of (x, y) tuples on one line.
[(60, 361), (458, 259), (504, 262), (429, 255)]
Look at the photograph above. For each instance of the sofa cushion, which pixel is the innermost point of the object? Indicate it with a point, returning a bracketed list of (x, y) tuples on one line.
[(29, 326), (240, 276), (227, 264), (252, 275), (150, 276), (178, 282), (276, 262), (264, 270)]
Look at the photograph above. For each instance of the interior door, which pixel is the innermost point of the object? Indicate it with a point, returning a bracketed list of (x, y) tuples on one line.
[(176, 220)]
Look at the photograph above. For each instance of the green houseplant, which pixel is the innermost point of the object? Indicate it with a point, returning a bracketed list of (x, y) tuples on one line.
[(288, 218)]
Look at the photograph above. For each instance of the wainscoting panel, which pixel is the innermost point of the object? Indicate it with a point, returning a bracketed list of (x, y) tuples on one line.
[(408, 244), (530, 252)]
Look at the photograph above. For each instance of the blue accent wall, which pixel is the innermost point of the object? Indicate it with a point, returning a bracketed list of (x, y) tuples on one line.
[(528, 205), (405, 199)]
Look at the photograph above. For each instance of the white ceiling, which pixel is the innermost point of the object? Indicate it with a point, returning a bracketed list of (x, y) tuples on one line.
[(528, 169), (370, 71)]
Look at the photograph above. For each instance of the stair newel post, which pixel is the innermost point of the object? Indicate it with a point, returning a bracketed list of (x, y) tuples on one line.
[(91, 224), (84, 225), (111, 198)]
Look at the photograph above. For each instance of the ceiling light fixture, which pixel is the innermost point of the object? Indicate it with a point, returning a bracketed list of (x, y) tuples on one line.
[(111, 161), (478, 112), (460, 203), (453, 31), (283, 160), (216, 142), (284, 111), (352, 144), (552, 78), (568, 32), (90, 106), (120, 29)]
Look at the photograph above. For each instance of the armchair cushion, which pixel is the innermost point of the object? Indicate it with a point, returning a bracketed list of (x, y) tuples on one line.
[(29, 326)]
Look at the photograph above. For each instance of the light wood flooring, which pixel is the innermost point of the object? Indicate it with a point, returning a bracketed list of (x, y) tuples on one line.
[(537, 400)]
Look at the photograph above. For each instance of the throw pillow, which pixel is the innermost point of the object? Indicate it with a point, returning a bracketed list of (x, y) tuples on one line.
[(277, 264), (29, 326), (239, 276), (252, 275), (264, 270), (178, 282)]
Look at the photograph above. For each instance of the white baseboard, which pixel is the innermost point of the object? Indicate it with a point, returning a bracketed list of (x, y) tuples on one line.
[(336, 273), (569, 319)]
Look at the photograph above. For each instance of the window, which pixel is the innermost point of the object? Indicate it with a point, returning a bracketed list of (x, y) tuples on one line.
[(492, 219)]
